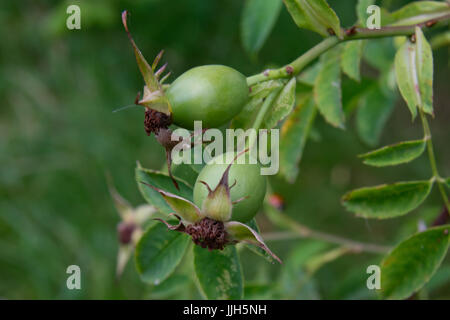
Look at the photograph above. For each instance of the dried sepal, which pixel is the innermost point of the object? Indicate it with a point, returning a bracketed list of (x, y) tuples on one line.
[(122, 206), (218, 205), (178, 227), (154, 97), (129, 229), (184, 208), (123, 256), (240, 232)]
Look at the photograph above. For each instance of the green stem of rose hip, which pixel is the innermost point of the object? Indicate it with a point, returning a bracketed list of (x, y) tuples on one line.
[(351, 34), (297, 65), (432, 159), (260, 117)]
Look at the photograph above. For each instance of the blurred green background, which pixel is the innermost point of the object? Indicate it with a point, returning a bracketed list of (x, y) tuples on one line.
[(59, 136)]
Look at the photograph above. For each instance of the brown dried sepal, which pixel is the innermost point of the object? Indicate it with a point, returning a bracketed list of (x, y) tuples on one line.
[(125, 232), (208, 233), (155, 121)]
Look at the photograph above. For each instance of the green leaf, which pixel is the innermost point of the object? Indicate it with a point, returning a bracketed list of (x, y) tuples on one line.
[(387, 200), (262, 89), (361, 11), (394, 154), (447, 182), (413, 262), (258, 19), (418, 12), (161, 181), (424, 62), (158, 252), (352, 93), (294, 134), (240, 232), (315, 15), (282, 106), (184, 171), (375, 108), (406, 74), (351, 59), (308, 76), (258, 95), (172, 286), (219, 273), (327, 88), (380, 53), (414, 72)]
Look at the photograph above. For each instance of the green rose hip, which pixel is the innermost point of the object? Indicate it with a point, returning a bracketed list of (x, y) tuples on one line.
[(213, 94), (248, 184)]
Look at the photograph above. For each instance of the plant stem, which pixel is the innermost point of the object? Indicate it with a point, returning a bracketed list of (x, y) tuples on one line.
[(262, 111), (298, 230), (432, 158), (294, 68), (260, 117), (297, 65)]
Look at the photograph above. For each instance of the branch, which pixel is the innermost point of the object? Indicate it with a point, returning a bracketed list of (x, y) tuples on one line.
[(351, 34), (432, 159), (298, 230)]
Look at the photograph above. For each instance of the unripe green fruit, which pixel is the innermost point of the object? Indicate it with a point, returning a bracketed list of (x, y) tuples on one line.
[(213, 94), (249, 183)]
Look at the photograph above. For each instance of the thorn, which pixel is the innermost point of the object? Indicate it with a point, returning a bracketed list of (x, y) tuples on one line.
[(289, 70), (234, 183), (351, 31), (430, 23)]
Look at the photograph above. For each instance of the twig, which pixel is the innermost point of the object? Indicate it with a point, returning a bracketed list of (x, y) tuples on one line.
[(432, 159), (301, 62), (298, 230)]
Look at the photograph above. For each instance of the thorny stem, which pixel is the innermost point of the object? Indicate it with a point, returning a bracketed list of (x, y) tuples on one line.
[(298, 230), (432, 159), (294, 68)]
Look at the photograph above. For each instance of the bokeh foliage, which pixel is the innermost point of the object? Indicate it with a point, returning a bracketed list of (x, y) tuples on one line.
[(59, 137)]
